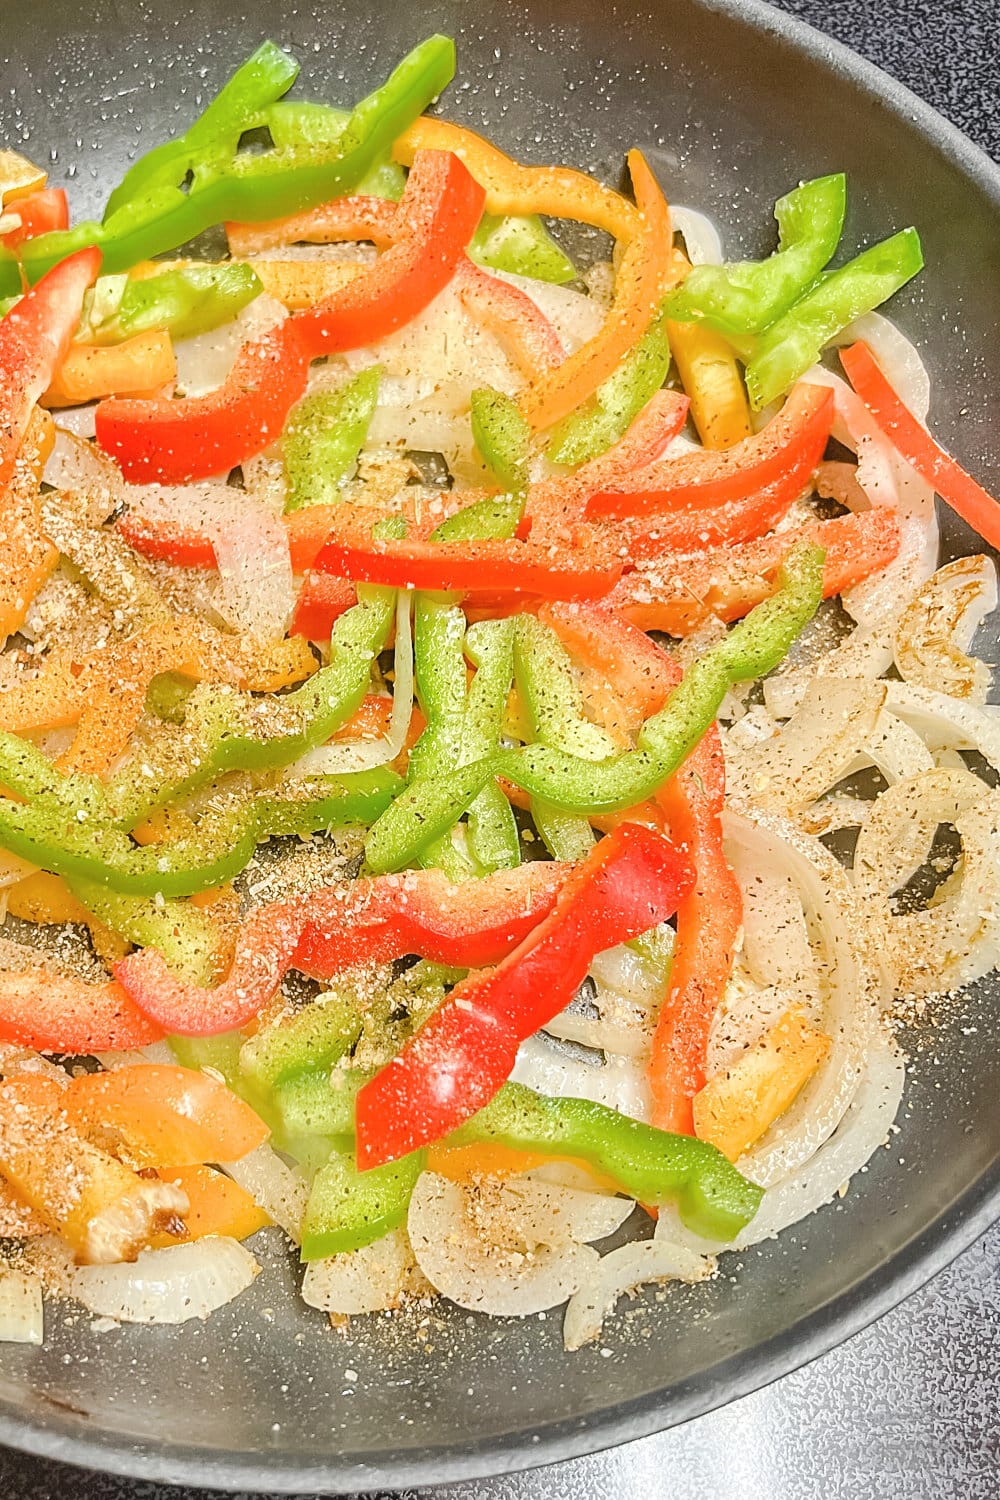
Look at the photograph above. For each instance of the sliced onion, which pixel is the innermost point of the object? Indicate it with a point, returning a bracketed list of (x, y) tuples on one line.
[(372, 1279), (936, 629), (274, 1186), (575, 316), (445, 346), (776, 944), (701, 238), (944, 723), (204, 361), (166, 1286), (744, 1016), (364, 755), (22, 1317), (625, 1270), (76, 465), (849, 984), (896, 750), (456, 1241), (620, 1027), (619, 1082)]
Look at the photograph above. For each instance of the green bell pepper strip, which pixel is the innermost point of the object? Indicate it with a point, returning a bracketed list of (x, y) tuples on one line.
[(522, 246), (167, 696), (323, 437), (791, 345), (348, 1208), (227, 731), (495, 517), (502, 436), (90, 847), (426, 809), (600, 422), (652, 1166), (298, 123), (491, 830), (248, 187), (187, 301), (310, 1041), (745, 297), (440, 671), (187, 937), (238, 106)]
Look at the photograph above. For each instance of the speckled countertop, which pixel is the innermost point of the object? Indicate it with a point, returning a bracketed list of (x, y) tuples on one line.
[(909, 1409)]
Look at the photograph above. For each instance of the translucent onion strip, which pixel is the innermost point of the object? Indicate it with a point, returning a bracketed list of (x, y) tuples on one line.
[(22, 1318), (372, 1279), (166, 1286), (936, 629), (700, 236), (622, 1271), (274, 1186)]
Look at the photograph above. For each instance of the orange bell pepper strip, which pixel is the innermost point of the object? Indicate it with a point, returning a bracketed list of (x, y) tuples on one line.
[(39, 212), (167, 1115), (298, 284), (353, 218), (216, 1206), (509, 314), (645, 273), (45, 898), (677, 593), (29, 558), (56, 1013), (140, 366)]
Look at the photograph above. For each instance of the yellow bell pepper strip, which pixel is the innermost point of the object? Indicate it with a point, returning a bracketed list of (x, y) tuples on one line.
[(47, 899), (648, 1164), (646, 271), (139, 367), (104, 1211), (18, 176), (29, 558), (323, 437), (747, 296), (299, 284), (735, 1108), (216, 1206), (465, 1051), (602, 420), (424, 810), (795, 341), (711, 377)]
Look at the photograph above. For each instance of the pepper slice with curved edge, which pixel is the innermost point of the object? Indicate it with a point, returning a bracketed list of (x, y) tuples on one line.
[(911, 439), (175, 441), (38, 212), (29, 557), (250, 185), (441, 679), (34, 338), (184, 300), (465, 1051), (787, 449), (425, 810), (466, 925), (616, 403), (137, 368), (503, 438), (349, 1208), (513, 318), (650, 1165), (491, 831), (521, 246), (58, 1013), (711, 376), (667, 533), (322, 599), (323, 437), (358, 217), (193, 944), (794, 343), (677, 594), (744, 297)]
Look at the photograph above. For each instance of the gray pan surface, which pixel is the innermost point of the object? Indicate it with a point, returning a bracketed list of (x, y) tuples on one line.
[(733, 103)]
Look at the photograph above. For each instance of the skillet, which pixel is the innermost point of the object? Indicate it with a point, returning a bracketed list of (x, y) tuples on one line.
[(733, 103)]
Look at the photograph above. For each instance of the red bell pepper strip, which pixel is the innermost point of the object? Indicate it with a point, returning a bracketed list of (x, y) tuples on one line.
[(374, 920), (61, 1014), (38, 212), (464, 1053), (727, 524), (321, 602), (509, 314), (791, 443), (354, 218), (582, 571), (912, 440), (635, 667), (175, 441), (34, 338), (676, 593)]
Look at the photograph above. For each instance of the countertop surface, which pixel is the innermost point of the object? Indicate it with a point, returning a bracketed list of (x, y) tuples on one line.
[(909, 1408)]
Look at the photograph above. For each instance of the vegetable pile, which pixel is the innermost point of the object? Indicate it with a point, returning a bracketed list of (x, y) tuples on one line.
[(421, 719)]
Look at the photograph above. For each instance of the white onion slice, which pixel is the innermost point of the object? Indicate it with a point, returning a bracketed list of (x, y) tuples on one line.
[(701, 238), (274, 1186), (619, 1083), (896, 750), (625, 1270), (776, 946), (22, 1318), (364, 755), (945, 723), (575, 316), (744, 1017), (204, 361), (458, 1249), (935, 631), (371, 1279), (166, 1286)]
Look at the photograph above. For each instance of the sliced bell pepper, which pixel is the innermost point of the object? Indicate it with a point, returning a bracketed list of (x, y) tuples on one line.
[(508, 313), (503, 438), (644, 275), (521, 246), (334, 929), (647, 1164), (441, 681), (168, 1116), (638, 669), (216, 1206), (47, 899), (248, 186), (788, 448), (746, 296), (349, 1208), (322, 599), (711, 377), (495, 517), (138, 367), (491, 832), (34, 338), (297, 284), (185, 300), (175, 441), (38, 212), (28, 555), (193, 943), (323, 437), (464, 1053), (616, 403), (676, 594), (794, 343), (57, 1013), (956, 488), (352, 218), (732, 522)]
